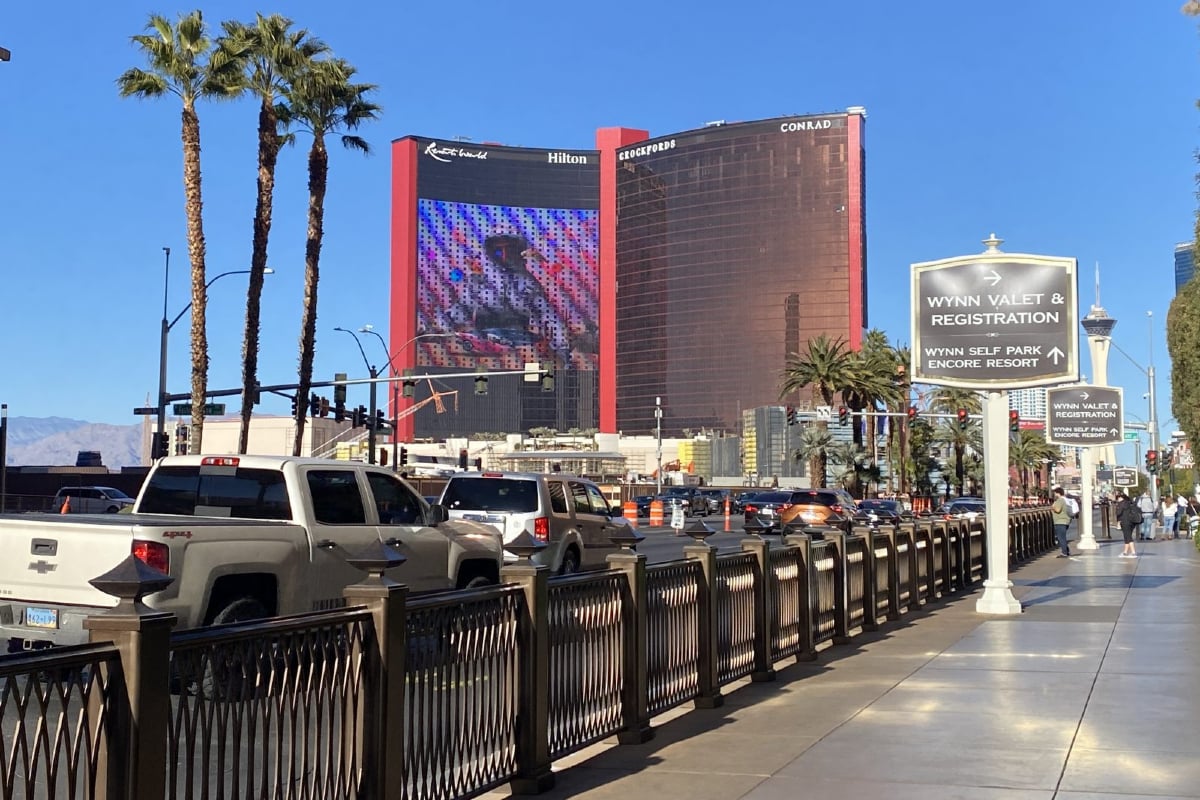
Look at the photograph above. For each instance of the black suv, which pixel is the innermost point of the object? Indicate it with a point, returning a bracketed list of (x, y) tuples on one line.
[(714, 499), (688, 496)]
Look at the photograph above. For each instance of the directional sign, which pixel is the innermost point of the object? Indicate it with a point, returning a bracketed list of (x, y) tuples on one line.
[(145, 410), (1084, 416), (1124, 477), (1131, 436), (995, 319)]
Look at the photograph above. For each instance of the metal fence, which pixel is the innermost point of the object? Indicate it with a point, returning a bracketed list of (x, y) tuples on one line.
[(450, 695)]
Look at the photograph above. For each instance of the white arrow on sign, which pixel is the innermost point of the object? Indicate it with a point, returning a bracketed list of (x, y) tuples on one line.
[(1056, 354), (1084, 395), (992, 278)]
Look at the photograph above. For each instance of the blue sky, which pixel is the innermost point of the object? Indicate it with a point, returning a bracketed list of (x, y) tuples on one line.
[(1068, 129)]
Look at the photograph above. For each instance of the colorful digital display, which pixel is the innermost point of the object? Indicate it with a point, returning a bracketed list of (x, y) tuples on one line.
[(512, 284)]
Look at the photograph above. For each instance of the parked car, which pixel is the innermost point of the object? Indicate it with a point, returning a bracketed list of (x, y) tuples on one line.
[(799, 507), (92, 500), (879, 510), (687, 496), (643, 504), (963, 508), (570, 514)]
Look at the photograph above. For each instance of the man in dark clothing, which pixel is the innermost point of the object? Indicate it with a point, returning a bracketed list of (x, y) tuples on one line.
[(1128, 516), (1060, 512)]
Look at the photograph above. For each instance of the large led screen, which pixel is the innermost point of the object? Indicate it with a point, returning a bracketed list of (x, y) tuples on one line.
[(511, 284)]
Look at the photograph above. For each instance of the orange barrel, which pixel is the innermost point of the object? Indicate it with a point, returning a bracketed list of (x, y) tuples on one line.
[(727, 520), (629, 511), (656, 512)]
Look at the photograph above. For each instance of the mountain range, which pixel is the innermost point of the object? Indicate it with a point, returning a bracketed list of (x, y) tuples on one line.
[(56, 441)]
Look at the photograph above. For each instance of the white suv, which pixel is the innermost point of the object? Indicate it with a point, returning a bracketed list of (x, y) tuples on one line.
[(92, 500), (570, 514)]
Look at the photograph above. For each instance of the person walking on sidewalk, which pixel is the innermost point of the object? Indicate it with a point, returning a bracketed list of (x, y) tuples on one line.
[(1060, 512), (1169, 509), (1129, 516), (1145, 504)]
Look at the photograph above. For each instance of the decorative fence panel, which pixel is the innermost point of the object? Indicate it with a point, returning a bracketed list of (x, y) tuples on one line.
[(787, 618), (736, 575), (673, 625)]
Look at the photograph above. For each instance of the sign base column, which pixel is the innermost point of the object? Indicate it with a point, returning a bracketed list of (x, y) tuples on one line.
[(1087, 536), (997, 588), (997, 599)]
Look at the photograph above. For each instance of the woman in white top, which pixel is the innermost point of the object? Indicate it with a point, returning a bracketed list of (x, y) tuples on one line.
[(1169, 508)]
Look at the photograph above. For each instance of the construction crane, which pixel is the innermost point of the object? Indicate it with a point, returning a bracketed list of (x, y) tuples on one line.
[(435, 397)]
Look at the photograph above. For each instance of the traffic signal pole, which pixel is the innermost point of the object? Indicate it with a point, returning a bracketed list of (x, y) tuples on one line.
[(372, 422)]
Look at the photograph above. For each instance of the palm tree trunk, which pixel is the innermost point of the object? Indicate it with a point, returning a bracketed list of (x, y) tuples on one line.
[(195, 235), (268, 154), (318, 171)]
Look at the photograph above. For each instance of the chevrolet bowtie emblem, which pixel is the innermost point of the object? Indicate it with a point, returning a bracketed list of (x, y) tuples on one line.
[(42, 567)]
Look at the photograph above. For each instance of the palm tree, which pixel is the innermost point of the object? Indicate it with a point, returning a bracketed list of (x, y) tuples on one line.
[(815, 442), (858, 468), (1028, 452), (273, 55), (825, 366), (182, 61), (321, 100), (960, 435)]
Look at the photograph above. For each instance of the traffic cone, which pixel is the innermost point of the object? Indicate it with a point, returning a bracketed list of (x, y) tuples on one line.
[(66, 506), (727, 520)]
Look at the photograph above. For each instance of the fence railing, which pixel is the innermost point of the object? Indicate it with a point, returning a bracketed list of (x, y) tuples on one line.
[(450, 695)]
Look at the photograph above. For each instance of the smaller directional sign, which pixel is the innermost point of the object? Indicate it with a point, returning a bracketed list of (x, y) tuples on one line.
[(1131, 436), (1084, 416), (1125, 477), (210, 409)]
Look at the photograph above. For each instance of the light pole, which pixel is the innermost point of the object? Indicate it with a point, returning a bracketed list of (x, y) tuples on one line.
[(158, 449), (371, 412), (395, 388), (658, 435), (1152, 420)]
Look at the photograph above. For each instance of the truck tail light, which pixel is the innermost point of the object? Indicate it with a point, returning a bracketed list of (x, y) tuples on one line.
[(541, 529), (153, 554)]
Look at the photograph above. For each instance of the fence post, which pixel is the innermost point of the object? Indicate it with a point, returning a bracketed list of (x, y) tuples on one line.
[(888, 536), (764, 604), (382, 708), (802, 542), (135, 763), (708, 693), (534, 775), (841, 593), (870, 607), (909, 529), (635, 688)]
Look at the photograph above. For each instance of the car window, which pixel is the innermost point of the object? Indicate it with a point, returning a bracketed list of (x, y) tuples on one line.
[(558, 497), (579, 497), (519, 495), (395, 502), (599, 501), (336, 498), (244, 493)]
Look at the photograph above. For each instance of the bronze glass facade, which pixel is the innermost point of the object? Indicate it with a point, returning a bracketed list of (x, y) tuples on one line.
[(735, 245)]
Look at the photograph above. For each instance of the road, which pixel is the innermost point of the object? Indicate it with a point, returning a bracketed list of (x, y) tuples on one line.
[(661, 544)]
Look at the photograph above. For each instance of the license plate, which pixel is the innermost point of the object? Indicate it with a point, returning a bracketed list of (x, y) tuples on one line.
[(768, 512), (41, 617)]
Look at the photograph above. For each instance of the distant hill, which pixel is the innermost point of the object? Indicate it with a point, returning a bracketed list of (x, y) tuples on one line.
[(56, 441)]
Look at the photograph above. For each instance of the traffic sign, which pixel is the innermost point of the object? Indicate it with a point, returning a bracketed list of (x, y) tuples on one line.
[(1131, 436), (1124, 477), (1084, 416), (145, 410), (996, 319), (210, 409)]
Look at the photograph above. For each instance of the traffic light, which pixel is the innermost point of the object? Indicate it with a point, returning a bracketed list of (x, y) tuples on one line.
[(480, 387), (403, 456), (791, 415), (1014, 420), (547, 376), (962, 416), (912, 413), (462, 458), (339, 397), (1152, 461), (478, 464), (295, 405), (843, 416), (314, 406), (1168, 458), (158, 445), (408, 387), (380, 419), (358, 417)]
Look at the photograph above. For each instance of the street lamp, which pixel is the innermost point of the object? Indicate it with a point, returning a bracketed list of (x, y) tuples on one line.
[(658, 451), (158, 449), (371, 413), (395, 387), (1152, 421)]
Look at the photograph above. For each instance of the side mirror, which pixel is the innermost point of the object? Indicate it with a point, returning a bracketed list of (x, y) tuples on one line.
[(437, 513)]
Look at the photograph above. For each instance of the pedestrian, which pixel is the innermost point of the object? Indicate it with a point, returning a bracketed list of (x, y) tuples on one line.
[(1145, 504), (1129, 516), (1060, 512), (1192, 510), (1181, 507), (1169, 509)]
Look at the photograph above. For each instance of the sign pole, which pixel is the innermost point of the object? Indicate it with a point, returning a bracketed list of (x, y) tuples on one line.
[(997, 588), (1087, 535)]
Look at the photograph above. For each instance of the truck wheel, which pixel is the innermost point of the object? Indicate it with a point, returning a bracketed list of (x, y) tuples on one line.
[(478, 582), (235, 672), (570, 562)]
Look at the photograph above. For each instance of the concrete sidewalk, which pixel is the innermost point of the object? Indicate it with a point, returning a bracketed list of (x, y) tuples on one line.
[(1092, 692)]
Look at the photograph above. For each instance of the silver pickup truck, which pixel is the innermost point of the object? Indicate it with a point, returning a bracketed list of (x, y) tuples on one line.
[(244, 537)]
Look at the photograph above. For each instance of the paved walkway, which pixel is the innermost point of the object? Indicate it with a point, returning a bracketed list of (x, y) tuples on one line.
[(1092, 692)]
